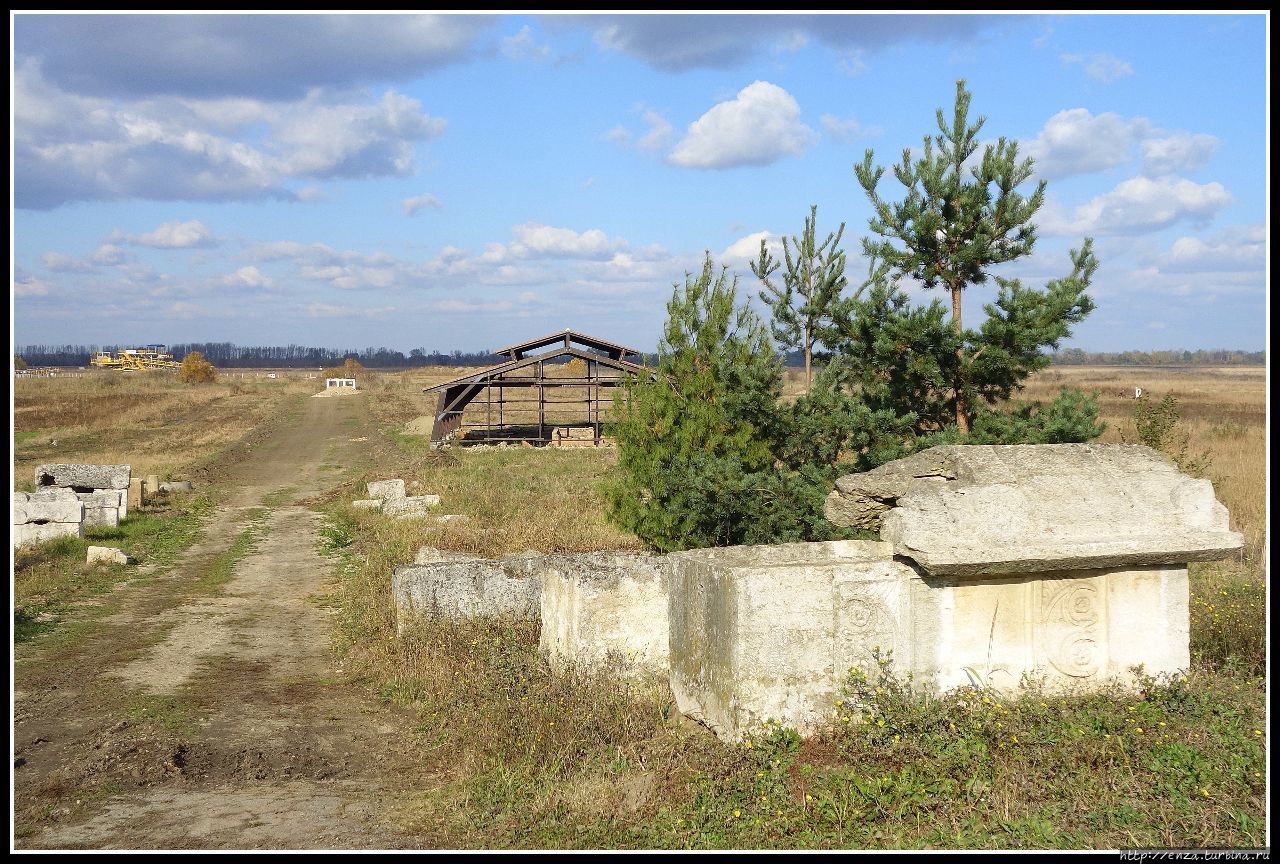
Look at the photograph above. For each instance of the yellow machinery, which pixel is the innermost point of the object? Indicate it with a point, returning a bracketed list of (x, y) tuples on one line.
[(136, 359)]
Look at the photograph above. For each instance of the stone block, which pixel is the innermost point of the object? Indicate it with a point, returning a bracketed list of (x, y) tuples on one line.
[(465, 589), (991, 510), (603, 604), (44, 508), (101, 517), (32, 532), (411, 507), (178, 486), (386, 489), (106, 555), (753, 630), (368, 504), (83, 478), (432, 555), (133, 499)]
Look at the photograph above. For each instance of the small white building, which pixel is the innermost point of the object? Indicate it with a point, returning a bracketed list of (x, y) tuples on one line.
[(339, 382)]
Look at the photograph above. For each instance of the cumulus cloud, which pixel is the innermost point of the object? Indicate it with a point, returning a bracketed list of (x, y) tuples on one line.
[(746, 249), (757, 127), (1238, 248), (1100, 67), (1139, 205), (523, 46), (1180, 151), (1076, 141), (260, 56), (535, 240), (675, 43), (655, 138), (26, 285), (171, 235), (73, 148), (249, 277), (412, 206)]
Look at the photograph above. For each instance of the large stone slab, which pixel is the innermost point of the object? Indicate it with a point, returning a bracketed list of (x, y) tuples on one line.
[(83, 478), (992, 510), (753, 629), (43, 507), (386, 489), (32, 533), (459, 589), (605, 604), (411, 507)]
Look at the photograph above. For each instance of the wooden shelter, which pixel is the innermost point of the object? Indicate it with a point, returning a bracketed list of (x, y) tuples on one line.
[(538, 396)]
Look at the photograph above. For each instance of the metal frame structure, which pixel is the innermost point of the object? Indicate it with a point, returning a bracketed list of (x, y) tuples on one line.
[(525, 375)]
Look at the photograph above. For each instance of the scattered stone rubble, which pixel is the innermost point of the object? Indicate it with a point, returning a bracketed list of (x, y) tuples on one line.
[(389, 497), (1062, 563), (103, 489)]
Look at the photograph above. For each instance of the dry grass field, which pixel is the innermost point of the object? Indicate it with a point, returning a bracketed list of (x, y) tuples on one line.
[(150, 421)]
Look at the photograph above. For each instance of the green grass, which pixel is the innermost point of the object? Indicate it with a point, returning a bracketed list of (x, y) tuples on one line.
[(222, 568), (51, 581), (165, 712)]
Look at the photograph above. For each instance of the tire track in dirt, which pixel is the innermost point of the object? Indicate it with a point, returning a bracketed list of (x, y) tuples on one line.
[(257, 744)]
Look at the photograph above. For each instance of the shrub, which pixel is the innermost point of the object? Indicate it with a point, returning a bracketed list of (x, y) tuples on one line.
[(197, 370)]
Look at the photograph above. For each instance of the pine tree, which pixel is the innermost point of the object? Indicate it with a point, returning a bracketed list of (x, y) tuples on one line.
[(696, 440), (811, 284), (957, 220)]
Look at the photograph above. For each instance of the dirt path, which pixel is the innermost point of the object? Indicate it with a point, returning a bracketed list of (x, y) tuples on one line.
[(210, 717)]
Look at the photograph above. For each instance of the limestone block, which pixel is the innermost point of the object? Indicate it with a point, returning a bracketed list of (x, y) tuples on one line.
[(134, 497), (368, 504), (432, 555), (991, 510), (1073, 630), (465, 589), (41, 508), (386, 489), (410, 507), (178, 486), (753, 630), (106, 555), (32, 532), (605, 603), (83, 477), (101, 517)]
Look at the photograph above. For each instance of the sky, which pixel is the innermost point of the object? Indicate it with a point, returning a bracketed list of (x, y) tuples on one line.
[(462, 182)]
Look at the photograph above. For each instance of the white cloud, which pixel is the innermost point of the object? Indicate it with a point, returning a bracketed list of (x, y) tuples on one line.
[(848, 130), (415, 204), (1238, 248), (26, 285), (108, 254), (72, 148), (1139, 205), (853, 63), (523, 46), (1100, 67), (171, 235), (250, 277), (658, 134), (746, 249), (758, 127), (60, 262), (1076, 141), (536, 240), (1180, 151)]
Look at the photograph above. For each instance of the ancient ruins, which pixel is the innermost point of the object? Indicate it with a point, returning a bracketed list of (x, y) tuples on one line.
[(1063, 564)]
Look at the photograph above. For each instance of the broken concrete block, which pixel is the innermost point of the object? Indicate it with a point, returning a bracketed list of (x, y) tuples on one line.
[(43, 508), (603, 604), (177, 486), (133, 500), (989, 510), (106, 555), (432, 555), (83, 478), (753, 630), (152, 486), (33, 532), (410, 507), (101, 517), (465, 589), (368, 504), (386, 489)]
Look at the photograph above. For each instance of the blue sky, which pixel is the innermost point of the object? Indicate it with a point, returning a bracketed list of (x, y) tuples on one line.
[(463, 182)]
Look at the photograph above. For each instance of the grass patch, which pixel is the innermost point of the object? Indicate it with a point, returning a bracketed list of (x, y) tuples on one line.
[(51, 581), (165, 712), (279, 497), (223, 566)]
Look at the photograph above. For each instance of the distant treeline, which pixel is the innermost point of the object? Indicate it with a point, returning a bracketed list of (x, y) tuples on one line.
[(228, 356), (1077, 357)]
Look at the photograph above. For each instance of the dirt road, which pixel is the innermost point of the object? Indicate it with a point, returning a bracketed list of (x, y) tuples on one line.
[(205, 711)]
